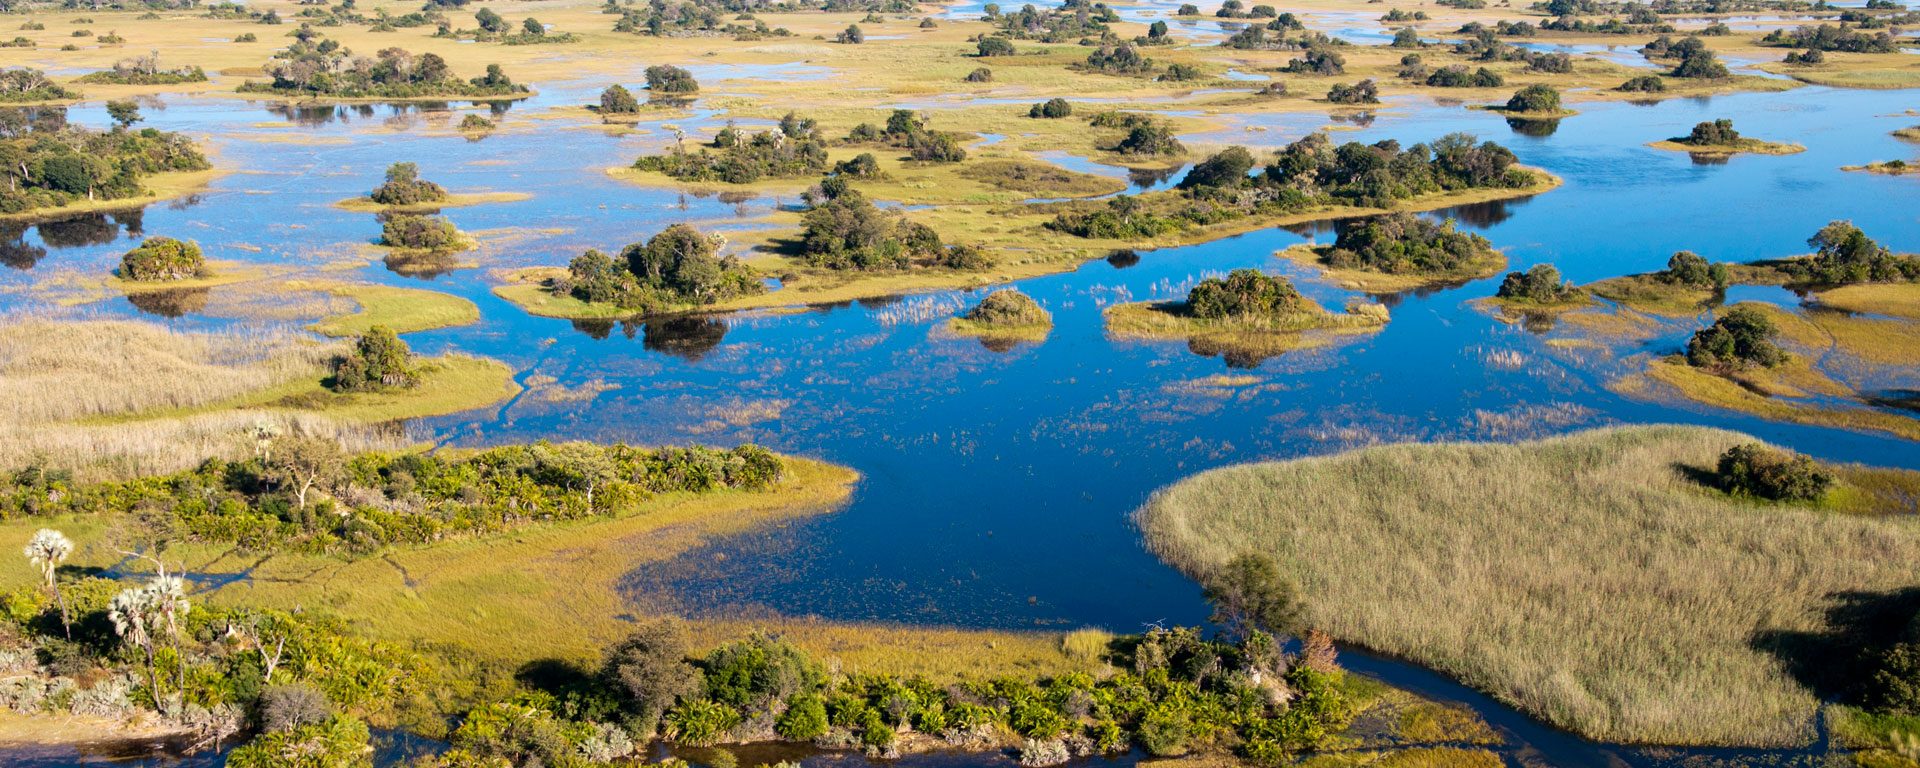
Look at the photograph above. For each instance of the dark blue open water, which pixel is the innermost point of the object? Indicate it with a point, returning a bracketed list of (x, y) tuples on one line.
[(998, 484)]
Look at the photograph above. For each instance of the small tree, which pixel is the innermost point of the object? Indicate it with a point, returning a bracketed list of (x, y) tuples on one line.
[(852, 35), (533, 28), (995, 46), (1248, 593), (1535, 98), (47, 550), (378, 360), (161, 259), (1051, 108), (1712, 134), (666, 78), (650, 669), (490, 21), (1540, 284), (616, 99), (307, 462), (123, 113)]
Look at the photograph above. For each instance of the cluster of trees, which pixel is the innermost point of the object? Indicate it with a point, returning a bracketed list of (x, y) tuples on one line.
[(666, 78), (1739, 339), (1235, 9), (420, 233), (1363, 92), (1402, 243), (1691, 270), (1694, 59), (1833, 37), (313, 66), (1458, 76), (94, 646), (48, 163), (1317, 61), (1244, 293), (908, 130), (794, 150), (144, 70), (1755, 470), (1073, 20), (676, 267), (304, 493), (668, 18), (403, 186), (162, 259), (494, 27), (1715, 133), (1643, 84), (843, 230), (1307, 173), (1540, 284), (1844, 254), (1146, 135), (1124, 59)]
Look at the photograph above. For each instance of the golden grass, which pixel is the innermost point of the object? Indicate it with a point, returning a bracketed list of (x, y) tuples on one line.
[(454, 200), (1586, 579), (403, 310), (1886, 168), (1648, 293), (1369, 281), (1031, 332), (1720, 392), (1744, 146), (218, 273), (526, 289), (1890, 299)]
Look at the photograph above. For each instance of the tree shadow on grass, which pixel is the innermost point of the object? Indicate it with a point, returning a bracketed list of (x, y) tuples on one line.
[(1837, 662)]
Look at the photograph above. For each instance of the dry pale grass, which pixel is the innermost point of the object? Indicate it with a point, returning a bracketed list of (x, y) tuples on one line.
[(1585, 579), (67, 387)]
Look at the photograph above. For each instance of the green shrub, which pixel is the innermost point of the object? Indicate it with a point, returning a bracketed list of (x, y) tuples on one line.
[(404, 186), (1740, 338), (1535, 98), (1689, 269), (751, 675), (1752, 469), (804, 720), (378, 360), (617, 100), (1051, 108), (426, 233), (1643, 84), (1540, 284), (1713, 133), (340, 742), (163, 258), (1243, 293), (1402, 243), (1008, 307), (700, 723)]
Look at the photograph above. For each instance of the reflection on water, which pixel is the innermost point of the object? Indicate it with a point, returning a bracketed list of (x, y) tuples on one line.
[(1123, 258), (1533, 128), (171, 302), (688, 338)]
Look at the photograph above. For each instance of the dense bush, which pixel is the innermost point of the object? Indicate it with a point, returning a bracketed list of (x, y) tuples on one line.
[(377, 361), (617, 100), (425, 233), (675, 267), (1008, 308), (404, 186), (144, 70), (1689, 269), (1643, 84), (1535, 98), (1051, 108), (1363, 92), (1843, 254), (1402, 243), (1121, 59), (1717, 133), (1741, 338), (1317, 61), (666, 78), (995, 46), (1700, 64), (1243, 293), (163, 258), (1752, 469), (1540, 284)]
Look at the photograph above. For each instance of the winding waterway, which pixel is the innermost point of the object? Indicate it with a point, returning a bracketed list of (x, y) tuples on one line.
[(998, 484)]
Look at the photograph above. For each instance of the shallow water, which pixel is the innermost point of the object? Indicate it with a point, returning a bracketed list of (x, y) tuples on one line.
[(997, 485)]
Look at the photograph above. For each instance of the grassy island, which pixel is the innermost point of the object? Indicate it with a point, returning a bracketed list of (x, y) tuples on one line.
[(1004, 318), (1247, 316), (1634, 598), (1718, 138)]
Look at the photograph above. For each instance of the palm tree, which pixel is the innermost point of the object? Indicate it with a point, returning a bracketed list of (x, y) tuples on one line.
[(138, 613), (47, 550)]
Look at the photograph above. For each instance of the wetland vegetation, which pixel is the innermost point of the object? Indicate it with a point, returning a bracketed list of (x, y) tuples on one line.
[(282, 493)]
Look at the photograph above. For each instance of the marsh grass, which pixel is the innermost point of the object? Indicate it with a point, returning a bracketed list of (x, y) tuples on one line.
[(404, 310), (1744, 145), (1243, 340), (1371, 281), (1588, 579)]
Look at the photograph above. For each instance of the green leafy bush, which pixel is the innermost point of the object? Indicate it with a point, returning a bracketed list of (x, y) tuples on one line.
[(1752, 469), (1741, 338), (163, 258)]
